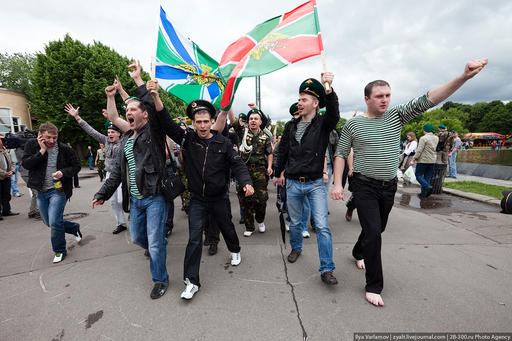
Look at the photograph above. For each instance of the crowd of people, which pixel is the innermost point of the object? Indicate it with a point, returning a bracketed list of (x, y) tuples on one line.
[(140, 149)]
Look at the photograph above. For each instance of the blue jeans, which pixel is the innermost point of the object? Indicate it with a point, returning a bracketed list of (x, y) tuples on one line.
[(90, 162), (423, 174), (14, 181), (147, 229), (315, 193), (51, 207), (453, 165)]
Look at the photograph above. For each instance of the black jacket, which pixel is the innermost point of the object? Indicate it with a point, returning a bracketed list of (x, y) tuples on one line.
[(35, 162), (149, 154), (206, 167), (306, 159)]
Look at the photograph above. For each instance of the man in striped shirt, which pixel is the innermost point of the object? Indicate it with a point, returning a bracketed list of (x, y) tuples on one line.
[(374, 137)]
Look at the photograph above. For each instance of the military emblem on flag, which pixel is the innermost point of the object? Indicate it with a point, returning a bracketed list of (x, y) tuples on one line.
[(271, 45), (183, 69)]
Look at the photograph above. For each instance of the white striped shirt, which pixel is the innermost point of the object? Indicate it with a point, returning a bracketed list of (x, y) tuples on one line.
[(376, 141), (128, 153)]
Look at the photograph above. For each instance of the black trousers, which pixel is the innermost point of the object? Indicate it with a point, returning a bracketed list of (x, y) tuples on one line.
[(5, 196), (211, 231), (199, 210), (374, 203)]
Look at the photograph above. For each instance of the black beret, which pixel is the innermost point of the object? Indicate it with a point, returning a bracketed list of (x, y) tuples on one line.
[(199, 105)]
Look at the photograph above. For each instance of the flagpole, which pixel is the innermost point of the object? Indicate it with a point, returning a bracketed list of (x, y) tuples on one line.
[(324, 66), (258, 94)]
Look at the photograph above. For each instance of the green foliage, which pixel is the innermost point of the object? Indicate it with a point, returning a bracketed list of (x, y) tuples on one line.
[(15, 71), (340, 124), (70, 72), (493, 117)]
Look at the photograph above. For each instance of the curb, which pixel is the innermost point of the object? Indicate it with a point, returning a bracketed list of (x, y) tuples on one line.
[(473, 196)]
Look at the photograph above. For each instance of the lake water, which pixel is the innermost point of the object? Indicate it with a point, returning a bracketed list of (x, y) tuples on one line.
[(486, 156)]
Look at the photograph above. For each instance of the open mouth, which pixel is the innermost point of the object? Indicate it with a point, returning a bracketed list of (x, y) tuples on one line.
[(131, 121)]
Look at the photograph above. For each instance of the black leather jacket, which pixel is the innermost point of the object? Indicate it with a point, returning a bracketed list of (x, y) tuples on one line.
[(35, 162), (206, 167), (306, 159), (149, 154)]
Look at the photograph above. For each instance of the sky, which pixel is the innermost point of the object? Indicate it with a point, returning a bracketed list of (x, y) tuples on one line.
[(414, 45)]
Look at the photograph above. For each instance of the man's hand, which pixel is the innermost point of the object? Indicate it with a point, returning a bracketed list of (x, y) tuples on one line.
[(152, 86), (337, 192), (350, 172), (57, 174), (411, 163), (96, 202), (249, 190), (117, 84), (269, 171), (104, 112), (110, 91), (326, 178), (9, 174), (279, 181), (473, 67), (72, 111), (42, 145), (327, 77), (253, 106), (135, 72)]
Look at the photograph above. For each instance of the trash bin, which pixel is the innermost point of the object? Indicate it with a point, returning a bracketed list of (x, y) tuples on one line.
[(438, 178)]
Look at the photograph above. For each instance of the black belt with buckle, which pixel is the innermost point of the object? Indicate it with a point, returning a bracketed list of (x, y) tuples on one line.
[(302, 179), (383, 183)]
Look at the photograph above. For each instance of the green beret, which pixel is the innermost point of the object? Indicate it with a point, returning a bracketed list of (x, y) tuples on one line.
[(254, 111), (199, 105), (314, 88), (442, 126), (294, 109), (429, 128), (181, 123), (454, 131), (243, 117)]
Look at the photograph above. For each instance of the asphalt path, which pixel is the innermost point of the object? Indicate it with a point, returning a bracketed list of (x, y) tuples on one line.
[(446, 267)]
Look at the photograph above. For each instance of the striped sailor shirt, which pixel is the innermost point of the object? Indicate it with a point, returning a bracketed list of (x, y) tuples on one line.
[(376, 140), (128, 153)]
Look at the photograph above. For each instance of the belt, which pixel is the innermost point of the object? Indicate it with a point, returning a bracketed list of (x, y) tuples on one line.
[(383, 183), (302, 179)]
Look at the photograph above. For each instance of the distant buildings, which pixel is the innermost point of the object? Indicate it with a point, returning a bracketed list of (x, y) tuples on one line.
[(14, 111)]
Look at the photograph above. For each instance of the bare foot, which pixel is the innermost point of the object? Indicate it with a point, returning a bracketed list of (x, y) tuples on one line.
[(360, 264), (374, 299)]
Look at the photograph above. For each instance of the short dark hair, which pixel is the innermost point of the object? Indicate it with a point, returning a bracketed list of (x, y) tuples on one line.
[(49, 127), (369, 87), (142, 106), (212, 117)]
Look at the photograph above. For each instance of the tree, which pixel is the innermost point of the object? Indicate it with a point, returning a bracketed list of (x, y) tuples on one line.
[(70, 72), (15, 71)]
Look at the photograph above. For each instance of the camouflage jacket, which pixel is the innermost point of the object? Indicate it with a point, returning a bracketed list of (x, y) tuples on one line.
[(261, 146)]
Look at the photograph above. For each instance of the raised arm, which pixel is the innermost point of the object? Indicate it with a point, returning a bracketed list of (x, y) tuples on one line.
[(113, 115), (444, 91), (84, 125), (135, 72), (220, 122), (119, 87)]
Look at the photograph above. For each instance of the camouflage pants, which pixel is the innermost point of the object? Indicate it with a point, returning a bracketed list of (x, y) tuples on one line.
[(255, 205), (185, 196), (100, 165)]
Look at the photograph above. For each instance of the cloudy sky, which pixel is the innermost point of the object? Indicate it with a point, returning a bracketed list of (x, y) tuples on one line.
[(414, 45)]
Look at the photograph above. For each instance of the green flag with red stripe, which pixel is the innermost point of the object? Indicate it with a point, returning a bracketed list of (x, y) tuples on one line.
[(271, 45)]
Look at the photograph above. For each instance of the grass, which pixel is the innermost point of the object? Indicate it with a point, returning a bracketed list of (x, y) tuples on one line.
[(478, 187)]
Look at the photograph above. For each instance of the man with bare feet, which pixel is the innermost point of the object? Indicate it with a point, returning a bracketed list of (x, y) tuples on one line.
[(374, 138)]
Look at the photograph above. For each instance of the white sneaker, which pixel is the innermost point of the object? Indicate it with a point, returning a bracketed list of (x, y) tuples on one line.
[(235, 258), (58, 257), (189, 291), (287, 227), (247, 233), (305, 234), (261, 227)]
